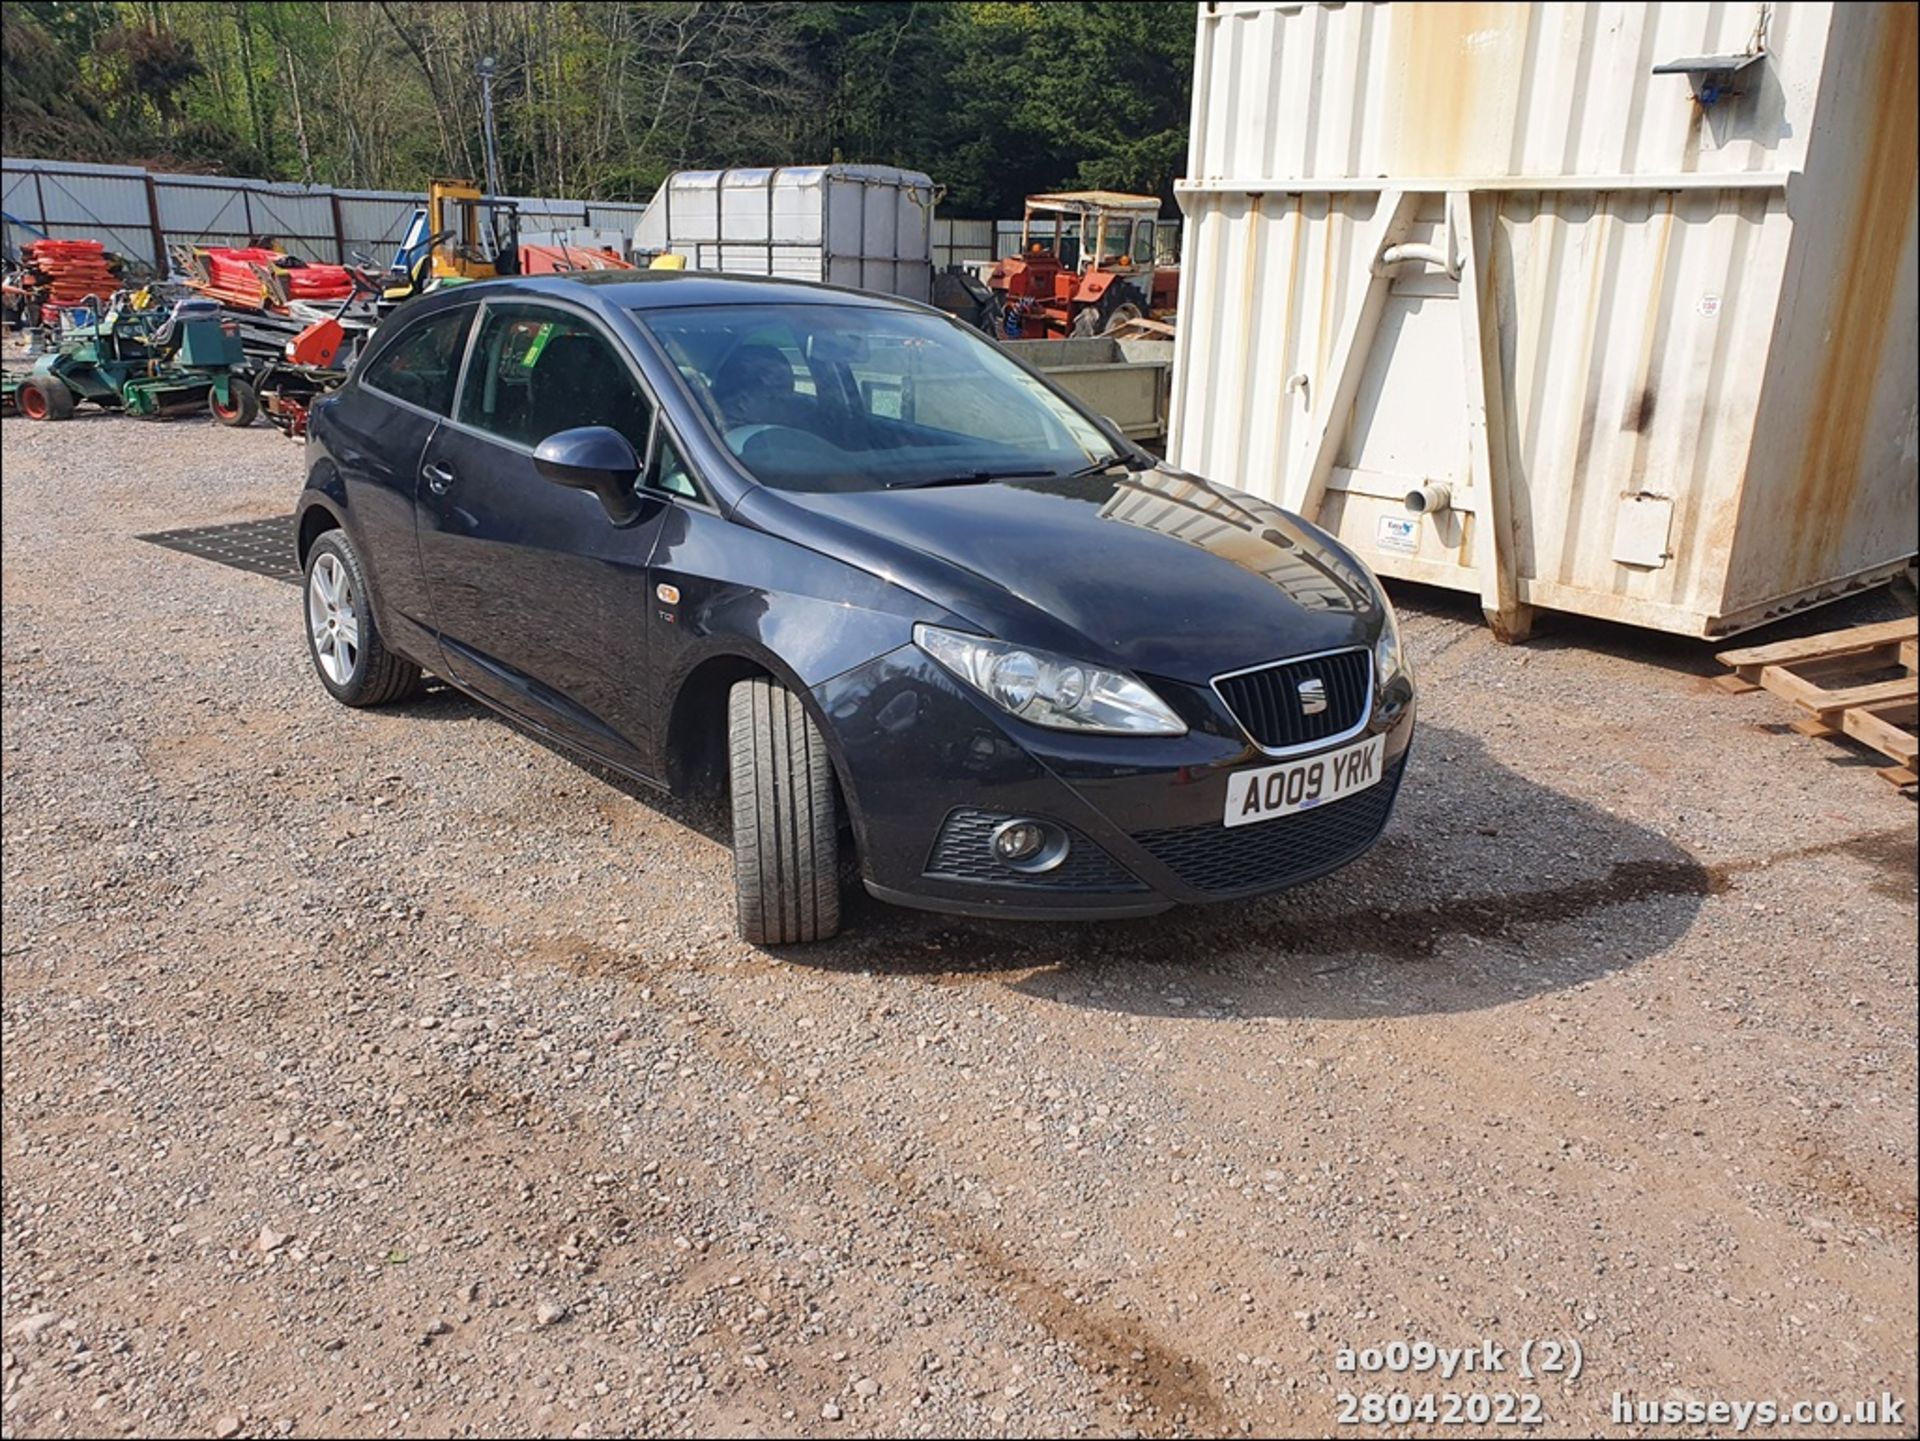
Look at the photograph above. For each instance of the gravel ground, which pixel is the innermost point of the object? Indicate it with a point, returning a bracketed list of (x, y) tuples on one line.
[(389, 1073)]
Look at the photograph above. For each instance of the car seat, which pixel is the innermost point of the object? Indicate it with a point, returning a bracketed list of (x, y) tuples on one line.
[(576, 382)]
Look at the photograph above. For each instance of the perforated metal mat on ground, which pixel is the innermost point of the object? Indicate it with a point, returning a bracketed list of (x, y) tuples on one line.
[(260, 547)]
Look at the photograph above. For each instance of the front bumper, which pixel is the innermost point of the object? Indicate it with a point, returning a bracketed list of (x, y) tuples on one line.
[(929, 767)]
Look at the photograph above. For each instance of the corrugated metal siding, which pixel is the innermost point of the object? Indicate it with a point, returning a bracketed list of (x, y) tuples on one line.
[(957, 242), (1652, 327), (195, 211), (1324, 91), (603, 215), (111, 203), (373, 222), (101, 202), (1832, 485)]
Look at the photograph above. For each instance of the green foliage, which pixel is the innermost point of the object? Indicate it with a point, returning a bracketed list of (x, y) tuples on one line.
[(994, 100)]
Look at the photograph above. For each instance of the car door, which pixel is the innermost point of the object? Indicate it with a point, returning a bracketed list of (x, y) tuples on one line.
[(539, 598), (377, 429)]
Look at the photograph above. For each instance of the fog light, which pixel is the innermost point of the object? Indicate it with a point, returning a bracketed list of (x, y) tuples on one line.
[(1029, 846), (1018, 841)]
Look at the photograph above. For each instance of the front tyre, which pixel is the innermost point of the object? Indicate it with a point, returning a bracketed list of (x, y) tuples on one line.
[(786, 837), (348, 655)]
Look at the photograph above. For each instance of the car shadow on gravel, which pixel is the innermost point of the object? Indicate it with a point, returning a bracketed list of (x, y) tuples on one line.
[(1486, 888), (440, 701)]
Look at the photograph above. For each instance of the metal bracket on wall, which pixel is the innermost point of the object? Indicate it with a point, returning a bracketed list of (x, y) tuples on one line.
[(1713, 77)]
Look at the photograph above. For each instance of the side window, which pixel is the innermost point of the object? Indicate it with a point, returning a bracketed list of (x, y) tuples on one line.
[(670, 472), (537, 371), (423, 364), (1143, 243)]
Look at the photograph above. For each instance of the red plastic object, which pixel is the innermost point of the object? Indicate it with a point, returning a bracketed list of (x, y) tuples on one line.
[(317, 345), (557, 259), (236, 275), (66, 272)]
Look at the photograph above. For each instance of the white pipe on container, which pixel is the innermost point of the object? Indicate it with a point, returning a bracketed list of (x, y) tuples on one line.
[(1431, 254)]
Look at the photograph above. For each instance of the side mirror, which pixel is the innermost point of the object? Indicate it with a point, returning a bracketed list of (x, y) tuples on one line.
[(596, 458)]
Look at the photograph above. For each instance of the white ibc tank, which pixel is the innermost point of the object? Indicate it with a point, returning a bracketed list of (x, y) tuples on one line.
[(865, 226)]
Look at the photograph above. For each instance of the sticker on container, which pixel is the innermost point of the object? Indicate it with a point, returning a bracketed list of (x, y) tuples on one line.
[(1708, 305), (1398, 532)]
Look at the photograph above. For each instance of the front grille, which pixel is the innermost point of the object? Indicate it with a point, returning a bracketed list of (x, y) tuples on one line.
[(1269, 854), (964, 852), (1266, 702)]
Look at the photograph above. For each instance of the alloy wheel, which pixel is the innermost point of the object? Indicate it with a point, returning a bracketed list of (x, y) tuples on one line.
[(333, 618)]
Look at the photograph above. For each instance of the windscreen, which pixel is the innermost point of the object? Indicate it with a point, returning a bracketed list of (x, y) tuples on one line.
[(847, 397)]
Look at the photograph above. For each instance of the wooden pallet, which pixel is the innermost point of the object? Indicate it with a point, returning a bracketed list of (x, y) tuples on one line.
[(1859, 682)]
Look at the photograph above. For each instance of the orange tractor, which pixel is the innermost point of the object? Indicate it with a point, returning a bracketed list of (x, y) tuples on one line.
[(1092, 275)]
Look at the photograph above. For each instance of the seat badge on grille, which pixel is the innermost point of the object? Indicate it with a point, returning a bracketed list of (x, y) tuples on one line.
[(1313, 696)]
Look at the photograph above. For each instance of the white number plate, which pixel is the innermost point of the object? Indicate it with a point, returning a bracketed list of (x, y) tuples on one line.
[(1284, 790)]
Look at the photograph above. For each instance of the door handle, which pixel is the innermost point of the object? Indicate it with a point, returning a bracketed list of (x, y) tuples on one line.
[(439, 478)]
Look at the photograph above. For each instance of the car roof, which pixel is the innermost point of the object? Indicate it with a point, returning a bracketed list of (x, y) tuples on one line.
[(657, 289)]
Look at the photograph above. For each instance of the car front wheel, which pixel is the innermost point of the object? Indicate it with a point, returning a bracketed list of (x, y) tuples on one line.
[(786, 839), (348, 655)]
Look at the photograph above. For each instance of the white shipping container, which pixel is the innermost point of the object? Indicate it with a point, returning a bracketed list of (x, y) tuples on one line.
[(1637, 345), (864, 226)]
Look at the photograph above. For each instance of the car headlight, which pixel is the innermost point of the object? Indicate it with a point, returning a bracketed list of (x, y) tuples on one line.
[(1050, 690), (1389, 657)]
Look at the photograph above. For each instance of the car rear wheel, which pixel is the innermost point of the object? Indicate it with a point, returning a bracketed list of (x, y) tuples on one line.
[(45, 397), (786, 838), (353, 663)]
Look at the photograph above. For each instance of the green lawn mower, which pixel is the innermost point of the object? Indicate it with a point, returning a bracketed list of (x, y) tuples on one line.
[(145, 362)]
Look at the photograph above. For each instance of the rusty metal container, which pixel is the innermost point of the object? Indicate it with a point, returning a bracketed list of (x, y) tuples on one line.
[(1606, 308), (1128, 381)]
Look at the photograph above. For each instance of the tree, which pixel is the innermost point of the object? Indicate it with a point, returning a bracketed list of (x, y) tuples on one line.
[(993, 100), (46, 108), (146, 69)]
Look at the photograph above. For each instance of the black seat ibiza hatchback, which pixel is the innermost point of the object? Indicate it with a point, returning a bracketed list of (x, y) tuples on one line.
[(844, 560)]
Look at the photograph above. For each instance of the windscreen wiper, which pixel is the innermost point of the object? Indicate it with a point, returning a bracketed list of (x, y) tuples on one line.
[(973, 477), (1103, 464)]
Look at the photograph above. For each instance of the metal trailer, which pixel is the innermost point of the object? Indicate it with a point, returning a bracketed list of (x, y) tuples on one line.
[(865, 226), (1608, 308), (1128, 381)]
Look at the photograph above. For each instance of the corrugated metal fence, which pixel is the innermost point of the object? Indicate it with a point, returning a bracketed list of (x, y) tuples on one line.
[(141, 214)]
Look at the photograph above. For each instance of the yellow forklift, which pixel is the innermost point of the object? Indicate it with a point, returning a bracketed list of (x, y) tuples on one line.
[(460, 234)]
